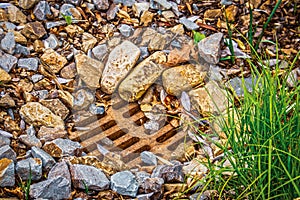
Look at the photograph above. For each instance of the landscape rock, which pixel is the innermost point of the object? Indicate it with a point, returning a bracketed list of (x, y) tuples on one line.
[(7, 172), (38, 46), (4, 141), (154, 186), (73, 30), (26, 4), (112, 11), (120, 61), (62, 147), (293, 77), (6, 101), (41, 10), (47, 160), (170, 174), (182, 78), (60, 169), (237, 85), (75, 2), (65, 9), (19, 38), (20, 49), (47, 134), (36, 77), (148, 158), (8, 43), (101, 4), (89, 70), (49, 25), (52, 42), (82, 99), (88, 41), (142, 77), (29, 63), (125, 30), (88, 176), (4, 76), (128, 3), (7, 62), (38, 115), (96, 110), (30, 139), (7, 152), (210, 48), (139, 8), (55, 188), (166, 5), (69, 71), (54, 60), (34, 30), (210, 99), (124, 183), (57, 107), (157, 42), (29, 166), (15, 15), (189, 25), (99, 51)]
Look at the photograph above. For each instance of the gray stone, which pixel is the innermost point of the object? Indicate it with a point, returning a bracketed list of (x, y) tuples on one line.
[(7, 152), (170, 174), (148, 158), (41, 10), (141, 176), (153, 185), (99, 51), (47, 160), (124, 183), (236, 84), (188, 24), (128, 3), (60, 169), (36, 77), (101, 4), (29, 63), (52, 42), (6, 134), (293, 77), (144, 196), (29, 166), (125, 30), (164, 3), (49, 25), (65, 10), (210, 48), (206, 195), (82, 99), (7, 173), (139, 8), (56, 188), (74, 2), (175, 9), (112, 11), (7, 62), (62, 147), (8, 43), (30, 139), (4, 141), (88, 176), (20, 49), (8, 26), (96, 110), (41, 94)]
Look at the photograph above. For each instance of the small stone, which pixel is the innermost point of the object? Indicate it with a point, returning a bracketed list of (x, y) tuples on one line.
[(170, 174), (55, 188), (139, 8), (52, 42), (4, 141), (112, 12), (148, 158), (3, 15), (212, 13), (65, 9), (7, 62), (36, 77), (75, 14), (4, 76), (57, 107), (47, 160), (168, 15), (7, 152), (62, 147), (34, 30), (19, 49), (6, 101), (41, 94), (88, 41), (7, 173), (128, 3), (146, 18), (75, 2), (293, 78), (28, 63), (82, 99), (157, 42), (41, 10), (153, 185), (6, 134), (38, 115), (89, 70), (49, 25), (99, 51), (8, 43), (206, 195), (7, 26), (19, 38), (125, 30), (69, 71), (84, 176), (73, 30), (124, 183), (209, 48), (120, 61), (166, 5), (96, 110), (54, 60), (29, 139), (47, 134), (26, 4), (29, 166), (237, 85), (60, 169), (101, 4), (15, 15), (189, 25), (38, 46)]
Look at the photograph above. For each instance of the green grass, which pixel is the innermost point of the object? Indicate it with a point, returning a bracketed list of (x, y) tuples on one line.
[(26, 187)]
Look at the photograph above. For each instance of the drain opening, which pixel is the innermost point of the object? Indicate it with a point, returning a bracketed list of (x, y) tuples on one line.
[(128, 143), (141, 121), (131, 112), (136, 153), (167, 135), (117, 134)]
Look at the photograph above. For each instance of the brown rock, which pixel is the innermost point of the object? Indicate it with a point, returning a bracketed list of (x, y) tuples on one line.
[(212, 14), (73, 30), (157, 43), (7, 172), (88, 41), (15, 15), (26, 4), (47, 134), (68, 71), (4, 76), (89, 70), (232, 12), (56, 106), (19, 38), (146, 18), (54, 60), (3, 15), (34, 30), (6, 101), (38, 46), (38, 115), (178, 56)]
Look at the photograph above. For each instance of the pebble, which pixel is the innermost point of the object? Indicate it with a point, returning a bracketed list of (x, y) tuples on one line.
[(157, 42), (8, 26), (125, 30), (293, 77), (28, 63), (29, 166), (52, 42), (82, 99), (7, 172), (139, 8), (36, 77), (46, 134), (19, 38), (65, 9), (75, 2), (101, 4), (112, 12), (7, 152), (148, 158), (88, 176), (96, 110), (170, 174), (6, 134), (7, 101), (41, 94), (15, 15), (62, 147), (47, 160), (166, 5), (99, 52), (73, 30), (30, 140), (236, 84), (210, 49), (4, 76), (54, 60), (41, 10), (55, 188), (60, 169), (8, 43), (49, 25), (128, 3), (120, 61), (154, 186), (4, 141), (57, 107), (20, 49), (34, 30), (124, 183), (69, 71), (88, 41), (26, 4), (188, 24)]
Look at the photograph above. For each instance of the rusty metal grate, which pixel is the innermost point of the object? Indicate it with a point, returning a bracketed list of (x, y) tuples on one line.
[(123, 126)]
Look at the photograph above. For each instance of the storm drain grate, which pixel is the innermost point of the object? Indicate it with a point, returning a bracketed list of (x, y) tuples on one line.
[(121, 130)]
